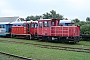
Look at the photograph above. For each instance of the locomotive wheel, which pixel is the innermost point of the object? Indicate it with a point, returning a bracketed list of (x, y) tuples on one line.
[(49, 39), (40, 38), (27, 37), (44, 38)]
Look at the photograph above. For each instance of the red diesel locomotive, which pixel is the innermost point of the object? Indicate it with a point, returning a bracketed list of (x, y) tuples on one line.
[(28, 30), (48, 30)]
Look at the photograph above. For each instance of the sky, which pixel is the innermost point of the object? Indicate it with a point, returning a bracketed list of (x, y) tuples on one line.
[(70, 9)]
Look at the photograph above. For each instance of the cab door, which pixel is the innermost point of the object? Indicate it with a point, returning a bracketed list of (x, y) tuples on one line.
[(46, 28), (32, 28), (28, 28), (25, 28), (39, 28)]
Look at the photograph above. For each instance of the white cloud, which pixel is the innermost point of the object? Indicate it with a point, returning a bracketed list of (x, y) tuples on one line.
[(46, 1), (79, 4), (9, 12), (69, 8), (71, 17), (2, 3)]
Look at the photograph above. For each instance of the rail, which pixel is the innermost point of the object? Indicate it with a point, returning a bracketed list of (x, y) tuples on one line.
[(17, 56)]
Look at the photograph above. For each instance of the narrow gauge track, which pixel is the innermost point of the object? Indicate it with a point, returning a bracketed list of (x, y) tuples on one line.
[(16, 56), (86, 50)]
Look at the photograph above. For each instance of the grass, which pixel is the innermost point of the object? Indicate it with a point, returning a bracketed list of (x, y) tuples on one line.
[(84, 42), (5, 57), (38, 53), (48, 43)]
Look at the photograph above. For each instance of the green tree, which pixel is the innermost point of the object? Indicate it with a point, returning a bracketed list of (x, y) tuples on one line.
[(81, 23), (22, 19), (52, 14), (88, 19), (76, 20), (37, 17), (65, 18), (46, 15), (85, 29), (28, 18), (34, 18)]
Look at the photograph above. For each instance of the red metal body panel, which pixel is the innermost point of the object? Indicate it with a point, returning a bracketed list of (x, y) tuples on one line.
[(32, 30), (64, 31), (39, 31), (18, 30), (46, 31), (78, 27)]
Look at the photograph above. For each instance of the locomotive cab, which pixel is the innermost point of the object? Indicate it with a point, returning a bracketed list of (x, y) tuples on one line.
[(55, 22), (44, 28)]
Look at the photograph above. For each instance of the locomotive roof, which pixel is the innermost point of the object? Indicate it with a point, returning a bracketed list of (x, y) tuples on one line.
[(23, 22), (31, 21), (44, 19), (49, 19), (61, 21)]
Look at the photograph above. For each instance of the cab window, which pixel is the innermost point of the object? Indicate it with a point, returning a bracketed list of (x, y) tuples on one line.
[(45, 23), (32, 25), (48, 24), (52, 23), (40, 24), (36, 25), (24, 25)]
